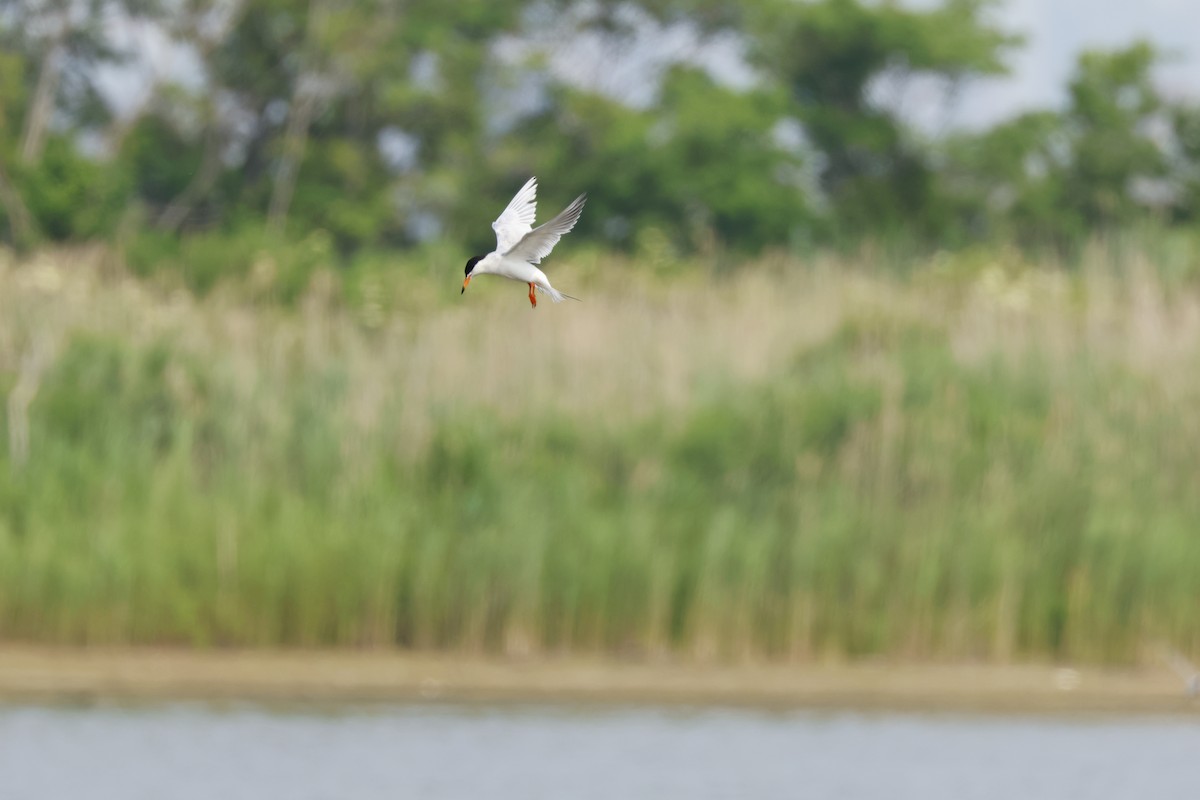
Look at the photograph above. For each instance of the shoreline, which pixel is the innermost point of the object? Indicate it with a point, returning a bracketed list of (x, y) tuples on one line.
[(46, 675)]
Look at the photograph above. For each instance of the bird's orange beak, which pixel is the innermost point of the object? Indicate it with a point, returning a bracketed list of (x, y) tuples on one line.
[(466, 281)]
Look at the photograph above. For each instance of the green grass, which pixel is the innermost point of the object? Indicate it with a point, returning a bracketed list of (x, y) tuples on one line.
[(989, 460)]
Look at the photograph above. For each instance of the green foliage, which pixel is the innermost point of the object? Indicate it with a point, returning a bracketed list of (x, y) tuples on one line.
[(12, 95), (648, 170), (268, 266), (1112, 101), (72, 197), (827, 54), (159, 161), (757, 195), (1049, 176), (1006, 183), (1185, 122), (338, 168)]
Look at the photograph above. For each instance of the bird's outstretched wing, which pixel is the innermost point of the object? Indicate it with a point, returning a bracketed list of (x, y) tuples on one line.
[(537, 243), (517, 218)]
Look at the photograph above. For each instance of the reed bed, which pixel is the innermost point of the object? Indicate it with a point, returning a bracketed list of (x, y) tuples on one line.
[(987, 458)]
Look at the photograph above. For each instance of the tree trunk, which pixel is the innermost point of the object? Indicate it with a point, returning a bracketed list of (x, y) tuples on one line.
[(304, 106), (210, 166), (205, 39), (37, 122)]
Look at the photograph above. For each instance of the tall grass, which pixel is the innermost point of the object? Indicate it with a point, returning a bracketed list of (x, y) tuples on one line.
[(985, 459)]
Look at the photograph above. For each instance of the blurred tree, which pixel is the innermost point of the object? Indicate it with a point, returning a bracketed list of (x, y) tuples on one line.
[(173, 146), (1113, 106), (53, 50), (382, 123), (64, 41), (830, 54), (320, 88), (74, 197), (12, 103), (704, 160), (161, 158), (1185, 170), (1101, 162), (1006, 182), (736, 172)]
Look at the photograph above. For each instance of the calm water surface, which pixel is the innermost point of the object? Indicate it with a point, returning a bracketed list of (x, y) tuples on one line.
[(461, 752)]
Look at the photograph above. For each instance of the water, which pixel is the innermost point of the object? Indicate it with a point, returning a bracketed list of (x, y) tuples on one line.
[(433, 752)]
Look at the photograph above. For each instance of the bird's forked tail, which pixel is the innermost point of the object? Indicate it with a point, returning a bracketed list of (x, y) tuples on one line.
[(556, 295)]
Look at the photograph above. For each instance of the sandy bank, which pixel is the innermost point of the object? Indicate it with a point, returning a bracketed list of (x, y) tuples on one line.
[(30, 674)]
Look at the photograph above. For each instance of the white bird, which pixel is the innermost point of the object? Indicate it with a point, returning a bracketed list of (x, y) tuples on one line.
[(519, 245)]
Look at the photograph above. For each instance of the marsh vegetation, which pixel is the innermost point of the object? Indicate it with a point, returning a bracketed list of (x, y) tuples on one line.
[(980, 455)]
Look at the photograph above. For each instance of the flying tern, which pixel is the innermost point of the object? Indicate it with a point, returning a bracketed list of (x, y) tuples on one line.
[(520, 246)]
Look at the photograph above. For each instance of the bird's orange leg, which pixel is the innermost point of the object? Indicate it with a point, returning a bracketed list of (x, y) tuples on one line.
[(532, 296)]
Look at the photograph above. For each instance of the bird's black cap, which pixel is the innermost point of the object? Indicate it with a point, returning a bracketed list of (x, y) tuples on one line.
[(470, 266)]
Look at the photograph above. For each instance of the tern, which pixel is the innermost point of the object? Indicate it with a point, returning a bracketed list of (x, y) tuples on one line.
[(520, 246)]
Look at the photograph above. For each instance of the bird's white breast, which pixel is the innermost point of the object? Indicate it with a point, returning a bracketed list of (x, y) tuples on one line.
[(514, 268)]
